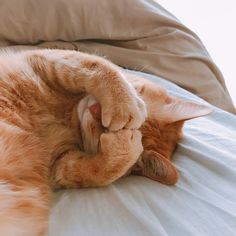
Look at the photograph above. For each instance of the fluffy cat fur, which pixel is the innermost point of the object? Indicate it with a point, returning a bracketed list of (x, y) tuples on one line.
[(53, 133), (40, 150)]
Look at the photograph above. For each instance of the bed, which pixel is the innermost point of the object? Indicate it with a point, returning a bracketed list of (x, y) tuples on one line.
[(150, 41), (203, 202)]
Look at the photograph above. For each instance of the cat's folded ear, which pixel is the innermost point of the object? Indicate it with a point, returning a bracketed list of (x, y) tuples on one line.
[(177, 110), (156, 167)]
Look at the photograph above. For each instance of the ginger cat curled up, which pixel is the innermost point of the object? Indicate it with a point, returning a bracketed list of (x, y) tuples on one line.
[(55, 134), (38, 92)]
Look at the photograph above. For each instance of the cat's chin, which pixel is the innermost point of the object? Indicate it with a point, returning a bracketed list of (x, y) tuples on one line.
[(91, 129)]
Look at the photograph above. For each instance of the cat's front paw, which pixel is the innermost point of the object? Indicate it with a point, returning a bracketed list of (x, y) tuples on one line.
[(123, 144), (123, 111)]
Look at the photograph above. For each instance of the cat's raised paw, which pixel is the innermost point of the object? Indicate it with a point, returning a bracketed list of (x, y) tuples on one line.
[(129, 113)]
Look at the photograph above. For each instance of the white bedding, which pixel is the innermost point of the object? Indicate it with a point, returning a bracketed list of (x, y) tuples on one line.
[(203, 202)]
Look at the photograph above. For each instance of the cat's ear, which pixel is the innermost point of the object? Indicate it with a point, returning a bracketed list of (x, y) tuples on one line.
[(156, 167), (177, 110)]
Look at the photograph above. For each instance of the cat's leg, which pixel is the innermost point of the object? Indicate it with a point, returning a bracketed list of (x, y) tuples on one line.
[(76, 72), (24, 208), (24, 189), (119, 151)]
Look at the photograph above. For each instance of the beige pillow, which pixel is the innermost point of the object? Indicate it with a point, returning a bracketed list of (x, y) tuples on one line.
[(138, 34)]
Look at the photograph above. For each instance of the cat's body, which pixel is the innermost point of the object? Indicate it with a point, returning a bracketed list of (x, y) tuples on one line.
[(44, 131), (38, 90)]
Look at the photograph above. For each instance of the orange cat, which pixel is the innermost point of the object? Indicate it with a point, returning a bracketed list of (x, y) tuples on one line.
[(160, 132), (55, 135), (41, 149)]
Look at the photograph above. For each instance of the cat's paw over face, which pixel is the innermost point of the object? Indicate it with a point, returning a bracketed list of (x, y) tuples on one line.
[(92, 131), (123, 112), (122, 107)]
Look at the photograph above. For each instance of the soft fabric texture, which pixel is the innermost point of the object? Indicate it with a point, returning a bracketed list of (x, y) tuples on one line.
[(136, 34), (203, 202)]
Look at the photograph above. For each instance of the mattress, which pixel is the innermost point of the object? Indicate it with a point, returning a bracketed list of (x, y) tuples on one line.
[(203, 202)]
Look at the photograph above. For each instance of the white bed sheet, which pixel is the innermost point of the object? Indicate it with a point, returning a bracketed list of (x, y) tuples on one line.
[(203, 202)]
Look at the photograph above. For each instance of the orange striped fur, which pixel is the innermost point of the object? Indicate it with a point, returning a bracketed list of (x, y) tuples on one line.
[(38, 94)]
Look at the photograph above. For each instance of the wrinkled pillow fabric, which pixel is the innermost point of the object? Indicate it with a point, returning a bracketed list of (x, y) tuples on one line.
[(137, 34)]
